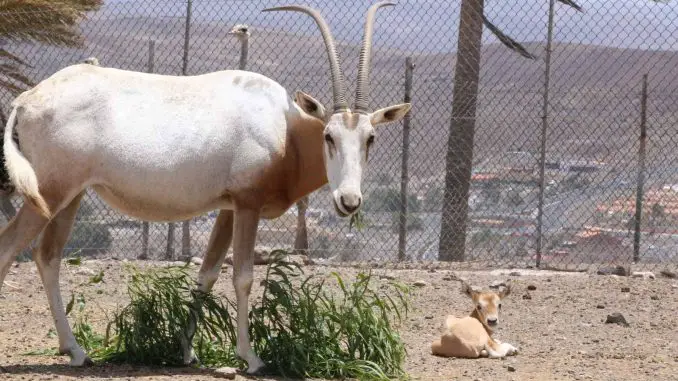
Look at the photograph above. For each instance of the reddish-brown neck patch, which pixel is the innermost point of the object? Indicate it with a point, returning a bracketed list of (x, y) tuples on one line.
[(304, 153)]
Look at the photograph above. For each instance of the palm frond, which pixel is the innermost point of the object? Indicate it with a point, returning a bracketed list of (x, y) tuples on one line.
[(11, 86), (507, 41), (52, 22), (572, 4), (5, 55), (14, 73), (46, 21), (12, 78)]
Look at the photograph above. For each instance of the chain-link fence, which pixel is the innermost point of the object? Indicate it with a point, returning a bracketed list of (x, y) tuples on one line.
[(550, 186)]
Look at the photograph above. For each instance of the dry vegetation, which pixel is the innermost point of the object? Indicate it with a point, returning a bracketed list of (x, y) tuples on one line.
[(559, 330)]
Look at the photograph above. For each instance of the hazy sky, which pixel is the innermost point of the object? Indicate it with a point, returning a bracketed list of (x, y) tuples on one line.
[(620, 23)]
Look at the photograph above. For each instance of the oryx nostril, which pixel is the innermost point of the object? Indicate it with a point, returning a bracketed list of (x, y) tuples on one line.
[(348, 205)]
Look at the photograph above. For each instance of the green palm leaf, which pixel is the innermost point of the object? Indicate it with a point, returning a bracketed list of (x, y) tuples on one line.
[(50, 22)]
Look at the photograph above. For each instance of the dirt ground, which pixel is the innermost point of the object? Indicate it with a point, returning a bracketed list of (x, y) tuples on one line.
[(560, 331)]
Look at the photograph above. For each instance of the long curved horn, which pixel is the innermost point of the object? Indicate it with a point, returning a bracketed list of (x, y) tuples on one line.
[(338, 83), (362, 86)]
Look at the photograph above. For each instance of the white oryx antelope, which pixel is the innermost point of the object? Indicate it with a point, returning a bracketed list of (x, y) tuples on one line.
[(167, 148), (471, 336)]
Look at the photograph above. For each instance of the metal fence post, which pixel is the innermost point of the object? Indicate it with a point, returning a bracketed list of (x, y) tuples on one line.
[(145, 226), (186, 225), (544, 129), (641, 171), (187, 37), (404, 175)]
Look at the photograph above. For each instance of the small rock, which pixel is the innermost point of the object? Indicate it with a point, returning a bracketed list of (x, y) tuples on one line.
[(386, 277), (196, 261), (261, 257), (616, 318), (643, 274), (613, 270), (669, 274), (226, 372), (674, 285), (298, 259), (447, 278), (527, 296), (85, 271), (625, 289), (510, 368), (531, 287), (600, 306), (654, 297), (548, 279), (420, 283), (497, 284), (428, 317), (514, 273)]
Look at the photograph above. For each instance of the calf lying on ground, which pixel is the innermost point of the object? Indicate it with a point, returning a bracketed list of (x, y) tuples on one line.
[(471, 336)]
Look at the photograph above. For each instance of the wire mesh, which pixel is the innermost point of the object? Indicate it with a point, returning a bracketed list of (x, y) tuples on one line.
[(591, 166)]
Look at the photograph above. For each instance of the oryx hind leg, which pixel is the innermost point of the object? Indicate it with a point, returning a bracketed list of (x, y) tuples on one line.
[(220, 240), (48, 261), (16, 235)]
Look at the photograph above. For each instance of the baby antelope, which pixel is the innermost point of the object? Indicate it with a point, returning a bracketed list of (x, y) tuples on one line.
[(471, 336)]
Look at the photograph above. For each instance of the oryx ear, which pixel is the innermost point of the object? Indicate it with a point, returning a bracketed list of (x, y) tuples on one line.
[(506, 291), (389, 114), (310, 105), (468, 290)]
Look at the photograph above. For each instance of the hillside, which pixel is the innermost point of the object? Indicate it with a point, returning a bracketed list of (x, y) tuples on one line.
[(595, 92)]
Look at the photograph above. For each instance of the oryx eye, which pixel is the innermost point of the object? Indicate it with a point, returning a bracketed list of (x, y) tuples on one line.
[(328, 139), (480, 307)]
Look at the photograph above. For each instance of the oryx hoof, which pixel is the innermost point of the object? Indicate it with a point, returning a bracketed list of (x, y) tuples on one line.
[(78, 356), (81, 361), (258, 372), (191, 360)]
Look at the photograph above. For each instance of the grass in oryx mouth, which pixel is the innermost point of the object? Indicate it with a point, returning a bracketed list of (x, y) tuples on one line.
[(300, 327)]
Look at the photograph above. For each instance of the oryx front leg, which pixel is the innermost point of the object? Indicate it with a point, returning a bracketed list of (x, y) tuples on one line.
[(220, 240), (246, 222)]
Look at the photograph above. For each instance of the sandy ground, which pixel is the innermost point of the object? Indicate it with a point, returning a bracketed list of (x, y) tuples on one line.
[(560, 331)]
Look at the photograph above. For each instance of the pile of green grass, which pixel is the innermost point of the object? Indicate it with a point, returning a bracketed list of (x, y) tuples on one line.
[(301, 327), (149, 330)]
